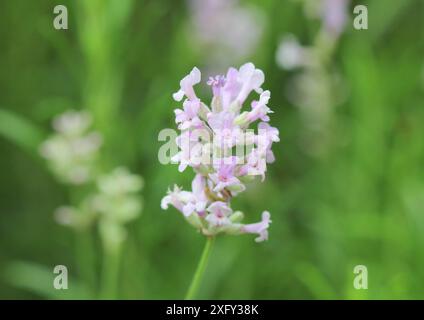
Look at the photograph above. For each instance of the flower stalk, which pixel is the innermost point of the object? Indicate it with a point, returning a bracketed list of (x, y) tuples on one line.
[(201, 267), (110, 273)]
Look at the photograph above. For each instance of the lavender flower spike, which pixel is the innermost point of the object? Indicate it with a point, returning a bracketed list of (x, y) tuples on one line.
[(209, 135)]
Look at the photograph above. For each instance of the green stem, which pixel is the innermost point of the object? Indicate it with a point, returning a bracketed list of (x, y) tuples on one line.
[(85, 258), (110, 273), (195, 282)]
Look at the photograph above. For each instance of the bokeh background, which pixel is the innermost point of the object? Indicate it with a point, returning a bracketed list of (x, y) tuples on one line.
[(346, 189)]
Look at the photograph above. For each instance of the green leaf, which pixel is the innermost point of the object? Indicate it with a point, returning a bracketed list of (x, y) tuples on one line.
[(39, 279), (20, 131)]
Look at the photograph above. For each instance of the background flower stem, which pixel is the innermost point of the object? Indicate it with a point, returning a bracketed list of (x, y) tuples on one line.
[(110, 273), (85, 258), (201, 267)]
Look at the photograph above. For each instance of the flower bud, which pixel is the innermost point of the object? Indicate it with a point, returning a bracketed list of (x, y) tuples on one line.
[(237, 216), (242, 119)]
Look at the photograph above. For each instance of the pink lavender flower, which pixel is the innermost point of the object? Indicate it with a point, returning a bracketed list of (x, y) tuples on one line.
[(260, 228), (188, 116), (225, 178), (219, 213), (219, 129), (255, 166)]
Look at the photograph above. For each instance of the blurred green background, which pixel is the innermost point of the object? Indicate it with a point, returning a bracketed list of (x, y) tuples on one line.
[(359, 200)]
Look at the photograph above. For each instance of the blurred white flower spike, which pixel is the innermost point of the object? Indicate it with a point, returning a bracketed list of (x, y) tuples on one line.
[(315, 86), (113, 203), (110, 199), (207, 205), (72, 151), (116, 203), (225, 29), (291, 54), (334, 14)]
